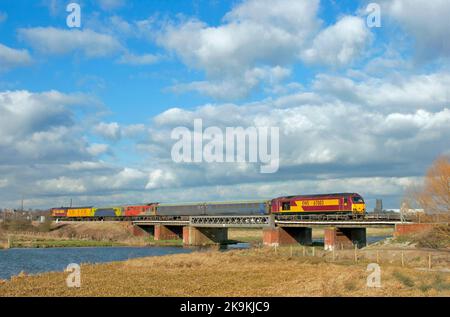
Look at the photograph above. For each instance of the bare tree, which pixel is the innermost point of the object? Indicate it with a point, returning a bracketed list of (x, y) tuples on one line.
[(434, 197)]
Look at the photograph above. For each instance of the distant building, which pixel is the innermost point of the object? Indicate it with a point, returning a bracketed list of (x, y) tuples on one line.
[(378, 206)]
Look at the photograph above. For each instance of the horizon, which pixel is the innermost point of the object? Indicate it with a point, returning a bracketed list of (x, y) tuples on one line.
[(88, 113)]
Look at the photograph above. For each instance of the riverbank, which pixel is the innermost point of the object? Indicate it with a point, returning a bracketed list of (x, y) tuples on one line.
[(26, 242), (252, 272), (99, 234), (82, 234), (46, 240)]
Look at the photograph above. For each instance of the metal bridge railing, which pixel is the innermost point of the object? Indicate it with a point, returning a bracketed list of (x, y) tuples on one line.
[(236, 221)]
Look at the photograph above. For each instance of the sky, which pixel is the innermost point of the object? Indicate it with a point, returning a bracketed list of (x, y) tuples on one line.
[(87, 113)]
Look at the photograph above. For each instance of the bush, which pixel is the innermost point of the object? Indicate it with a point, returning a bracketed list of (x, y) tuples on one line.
[(436, 238)]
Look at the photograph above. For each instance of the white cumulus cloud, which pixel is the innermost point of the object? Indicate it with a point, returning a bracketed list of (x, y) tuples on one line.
[(10, 57), (339, 44), (251, 39), (50, 40), (426, 21)]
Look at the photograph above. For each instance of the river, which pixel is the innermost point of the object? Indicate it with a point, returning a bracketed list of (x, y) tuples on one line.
[(32, 261)]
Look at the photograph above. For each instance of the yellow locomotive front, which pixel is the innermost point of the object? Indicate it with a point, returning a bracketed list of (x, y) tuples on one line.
[(358, 204)]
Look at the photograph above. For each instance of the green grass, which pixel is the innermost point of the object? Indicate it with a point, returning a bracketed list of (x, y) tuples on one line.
[(63, 244), (33, 242)]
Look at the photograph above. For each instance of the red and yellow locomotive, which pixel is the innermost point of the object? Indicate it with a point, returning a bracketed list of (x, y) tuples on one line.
[(325, 203)]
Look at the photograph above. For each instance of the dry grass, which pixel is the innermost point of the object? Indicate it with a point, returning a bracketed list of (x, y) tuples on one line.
[(75, 234), (245, 235), (109, 231), (437, 237), (256, 272)]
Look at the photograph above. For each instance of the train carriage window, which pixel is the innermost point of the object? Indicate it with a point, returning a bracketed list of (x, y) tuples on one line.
[(286, 205)]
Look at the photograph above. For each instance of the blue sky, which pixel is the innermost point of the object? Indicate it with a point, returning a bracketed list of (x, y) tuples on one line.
[(87, 112)]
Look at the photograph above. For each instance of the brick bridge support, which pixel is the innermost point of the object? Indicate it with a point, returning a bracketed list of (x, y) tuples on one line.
[(409, 228), (163, 232), (279, 236), (199, 236), (344, 238), (140, 231)]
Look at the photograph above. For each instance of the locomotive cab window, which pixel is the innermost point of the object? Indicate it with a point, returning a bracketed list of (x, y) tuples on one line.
[(286, 205), (345, 200), (357, 200)]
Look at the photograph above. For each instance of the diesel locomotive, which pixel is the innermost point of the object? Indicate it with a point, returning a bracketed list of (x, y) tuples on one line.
[(341, 203)]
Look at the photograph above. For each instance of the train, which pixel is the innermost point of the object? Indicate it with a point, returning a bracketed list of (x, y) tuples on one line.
[(339, 203)]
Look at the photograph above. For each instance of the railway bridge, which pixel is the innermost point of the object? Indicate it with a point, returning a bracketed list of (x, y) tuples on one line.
[(340, 231)]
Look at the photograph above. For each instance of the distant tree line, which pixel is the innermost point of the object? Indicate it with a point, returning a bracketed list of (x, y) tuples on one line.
[(30, 214)]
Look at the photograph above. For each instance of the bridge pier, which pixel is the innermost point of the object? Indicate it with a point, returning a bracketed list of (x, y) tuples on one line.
[(287, 235), (344, 238), (164, 232), (199, 236), (409, 228), (139, 231)]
